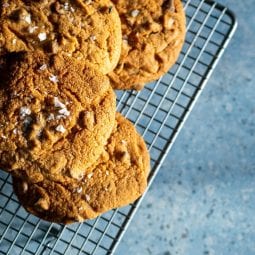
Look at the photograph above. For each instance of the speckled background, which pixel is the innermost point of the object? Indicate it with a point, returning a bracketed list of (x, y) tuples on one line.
[(203, 199)]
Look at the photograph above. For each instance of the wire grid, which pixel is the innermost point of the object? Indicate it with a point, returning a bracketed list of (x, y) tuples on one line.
[(158, 112)]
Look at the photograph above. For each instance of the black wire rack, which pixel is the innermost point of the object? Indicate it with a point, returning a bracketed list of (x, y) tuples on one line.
[(159, 112)]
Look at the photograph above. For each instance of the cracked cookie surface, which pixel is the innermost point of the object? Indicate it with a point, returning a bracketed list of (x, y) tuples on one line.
[(56, 115), (86, 30), (118, 178), (153, 35)]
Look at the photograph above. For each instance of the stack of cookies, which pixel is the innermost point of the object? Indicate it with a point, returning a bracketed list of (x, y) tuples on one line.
[(72, 157)]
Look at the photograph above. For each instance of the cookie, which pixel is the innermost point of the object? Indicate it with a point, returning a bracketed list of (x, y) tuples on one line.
[(56, 115), (118, 178), (153, 35), (87, 30)]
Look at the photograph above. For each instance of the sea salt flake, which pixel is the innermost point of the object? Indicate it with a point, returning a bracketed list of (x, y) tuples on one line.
[(58, 103), (64, 112), (31, 30), (14, 41), (107, 173), (27, 121), (43, 67), (93, 38), (40, 133), (53, 78), (3, 136), (15, 131), (42, 36), (51, 117), (61, 129), (79, 190), (66, 6), (24, 187), (88, 1), (135, 13), (59, 117), (90, 175), (27, 18), (72, 9), (87, 197), (5, 5), (24, 111)]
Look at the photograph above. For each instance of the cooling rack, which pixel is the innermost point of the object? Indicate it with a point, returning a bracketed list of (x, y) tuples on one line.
[(159, 112)]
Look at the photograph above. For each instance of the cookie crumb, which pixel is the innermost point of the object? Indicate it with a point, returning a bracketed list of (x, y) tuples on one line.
[(135, 13), (168, 22), (53, 78), (14, 41), (107, 173), (89, 120), (88, 1), (42, 36), (125, 157), (61, 129), (79, 218), (42, 204)]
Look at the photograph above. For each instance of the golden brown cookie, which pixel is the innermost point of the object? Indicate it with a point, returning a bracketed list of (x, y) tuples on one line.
[(88, 30), (56, 115), (153, 35), (118, 178)]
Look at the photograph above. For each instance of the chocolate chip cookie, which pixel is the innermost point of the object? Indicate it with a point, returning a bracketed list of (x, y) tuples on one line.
[(87, 30), (153, 35), (56, 114), (119, 177)]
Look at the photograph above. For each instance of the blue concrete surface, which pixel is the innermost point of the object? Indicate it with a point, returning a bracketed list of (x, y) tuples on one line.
[(203, 199)]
